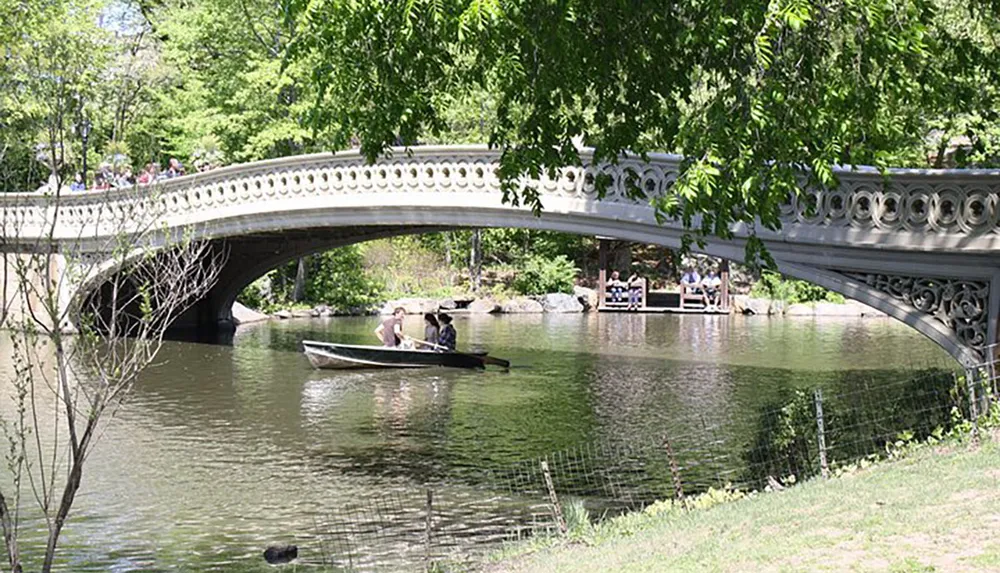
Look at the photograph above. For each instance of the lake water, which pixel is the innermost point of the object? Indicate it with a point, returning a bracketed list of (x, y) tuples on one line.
[(223, 450)]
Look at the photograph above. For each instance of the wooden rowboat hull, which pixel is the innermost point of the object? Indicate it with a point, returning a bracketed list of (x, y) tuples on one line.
[(331, 356)]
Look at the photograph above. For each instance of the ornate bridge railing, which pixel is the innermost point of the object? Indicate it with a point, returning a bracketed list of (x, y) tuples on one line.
[(909, 209), (945, 202)]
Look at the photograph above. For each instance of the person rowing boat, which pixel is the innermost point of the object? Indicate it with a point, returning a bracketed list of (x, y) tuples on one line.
[(390, 330)]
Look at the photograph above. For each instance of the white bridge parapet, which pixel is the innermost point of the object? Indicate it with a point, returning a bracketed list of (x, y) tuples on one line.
[(873, 237), (905, 209)]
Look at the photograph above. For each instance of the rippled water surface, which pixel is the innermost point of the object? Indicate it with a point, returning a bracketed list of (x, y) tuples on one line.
[(223, 450)]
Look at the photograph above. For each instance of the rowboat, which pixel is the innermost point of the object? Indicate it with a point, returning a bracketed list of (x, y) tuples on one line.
[(329, 355)]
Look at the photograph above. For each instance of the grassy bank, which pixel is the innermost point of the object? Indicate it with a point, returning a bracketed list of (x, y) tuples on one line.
[(935, 509)]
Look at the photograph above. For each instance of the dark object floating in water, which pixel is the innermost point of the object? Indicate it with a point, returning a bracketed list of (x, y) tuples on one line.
[(276, 555), (336, 356)]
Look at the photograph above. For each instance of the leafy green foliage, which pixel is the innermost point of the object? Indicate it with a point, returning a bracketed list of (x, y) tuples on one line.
[(340, 281), (541, 275), (337, 278), (408, 266), (52, 64), (757, 94), (257, 295), (773, 285), (224, 62)]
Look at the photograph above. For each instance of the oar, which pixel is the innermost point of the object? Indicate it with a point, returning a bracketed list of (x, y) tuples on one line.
[(486, 359)]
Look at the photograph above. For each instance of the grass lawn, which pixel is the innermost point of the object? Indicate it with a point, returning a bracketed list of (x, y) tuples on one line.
[(936, 509)]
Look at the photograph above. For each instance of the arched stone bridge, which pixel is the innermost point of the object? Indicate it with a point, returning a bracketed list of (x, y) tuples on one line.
[(922, 245)]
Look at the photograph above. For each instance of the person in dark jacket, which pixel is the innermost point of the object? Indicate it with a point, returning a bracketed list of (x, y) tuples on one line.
[(447, 336)]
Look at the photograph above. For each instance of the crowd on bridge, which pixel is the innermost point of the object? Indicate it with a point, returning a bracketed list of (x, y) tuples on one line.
[(119, 175)]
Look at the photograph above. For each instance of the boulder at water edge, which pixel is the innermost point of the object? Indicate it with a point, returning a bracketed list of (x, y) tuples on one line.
[(244, 315), (484, 306), (283, 314), (800, 309), (522, 305), (750, 305), (410, 305), (560, 303), (586, 296), (867, 311)]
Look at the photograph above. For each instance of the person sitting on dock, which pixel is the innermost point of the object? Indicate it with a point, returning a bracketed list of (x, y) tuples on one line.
[(710, 286), (447, 337), (690, 281), (634, 291), (617, 287), (390, 331)]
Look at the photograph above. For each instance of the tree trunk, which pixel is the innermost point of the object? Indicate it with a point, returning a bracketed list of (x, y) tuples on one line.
[(299, 290), (475, 261), (447, 257), (9, 537), (621, 258)]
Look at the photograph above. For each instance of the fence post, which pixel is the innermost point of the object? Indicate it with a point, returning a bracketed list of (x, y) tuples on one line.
[(675, 472), (821, 433), (554, 499), (428, 525), (970, 385)]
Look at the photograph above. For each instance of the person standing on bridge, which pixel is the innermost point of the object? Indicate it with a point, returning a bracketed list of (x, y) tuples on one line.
[(390, 332), (174, 168), (78, 184)]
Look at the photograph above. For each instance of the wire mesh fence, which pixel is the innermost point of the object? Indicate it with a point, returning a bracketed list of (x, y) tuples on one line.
[(808, 433)]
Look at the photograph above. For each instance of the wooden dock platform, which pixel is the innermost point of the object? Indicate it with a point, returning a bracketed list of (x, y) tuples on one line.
[(663, 310), (661, 302)]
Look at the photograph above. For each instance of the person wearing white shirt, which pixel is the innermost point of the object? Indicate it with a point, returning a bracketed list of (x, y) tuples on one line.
[(710, 286)]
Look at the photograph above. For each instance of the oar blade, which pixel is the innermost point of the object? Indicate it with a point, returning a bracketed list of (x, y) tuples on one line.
[(496, 361)]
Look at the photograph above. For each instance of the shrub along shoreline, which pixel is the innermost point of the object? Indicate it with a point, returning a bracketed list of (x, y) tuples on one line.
[(582, 300), (511, 271)]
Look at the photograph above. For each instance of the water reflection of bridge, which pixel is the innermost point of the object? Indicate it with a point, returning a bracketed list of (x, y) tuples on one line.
[(918, 246)]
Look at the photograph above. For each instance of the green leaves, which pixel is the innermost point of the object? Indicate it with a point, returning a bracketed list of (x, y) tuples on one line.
[(763, 94)]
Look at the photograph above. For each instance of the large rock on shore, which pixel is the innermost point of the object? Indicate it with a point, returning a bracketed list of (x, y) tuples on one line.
[(586, 296), (744, 304), (777, 307), (836, 309), (244, 315), (867, 311), (484, 306), (410, 305), (800, 309), (560, 303), (522, 305)]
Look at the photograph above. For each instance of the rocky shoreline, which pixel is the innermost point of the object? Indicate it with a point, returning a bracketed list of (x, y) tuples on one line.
[(582, 300), (745, 304)]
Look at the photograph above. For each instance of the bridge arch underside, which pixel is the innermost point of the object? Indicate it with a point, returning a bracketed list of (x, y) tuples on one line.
[(948, 299)]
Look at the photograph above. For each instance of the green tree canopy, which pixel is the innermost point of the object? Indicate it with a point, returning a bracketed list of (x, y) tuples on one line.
[(754, 93)]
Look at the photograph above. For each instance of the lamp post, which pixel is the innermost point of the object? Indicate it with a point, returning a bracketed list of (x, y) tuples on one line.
[(84, 135)]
